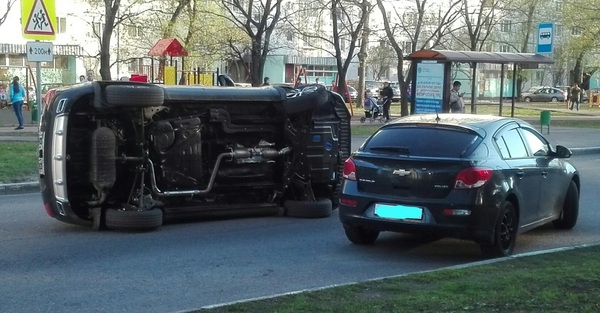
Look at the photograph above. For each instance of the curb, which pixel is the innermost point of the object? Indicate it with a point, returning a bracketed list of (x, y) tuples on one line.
[(19, 188), (585, 151)]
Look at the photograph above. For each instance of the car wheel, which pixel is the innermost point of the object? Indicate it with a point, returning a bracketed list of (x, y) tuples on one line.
[(554, 99), (360, 235), (505, 233), (570, 211), (308, 209), (527, 99), (307, 99), (133, 95), (119, 219)]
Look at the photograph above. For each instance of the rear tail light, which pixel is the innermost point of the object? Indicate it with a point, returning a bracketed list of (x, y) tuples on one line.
[(349, 170), (473, 177), (348, 202)]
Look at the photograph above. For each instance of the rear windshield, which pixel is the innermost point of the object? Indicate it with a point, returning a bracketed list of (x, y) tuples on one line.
[(423, 141)]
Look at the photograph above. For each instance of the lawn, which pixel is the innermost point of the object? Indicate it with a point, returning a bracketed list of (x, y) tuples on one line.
[(567, 281), (18, 161)]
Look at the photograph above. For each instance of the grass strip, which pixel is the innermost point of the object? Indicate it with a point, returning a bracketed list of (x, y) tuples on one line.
[(18, 161), (567, 281)]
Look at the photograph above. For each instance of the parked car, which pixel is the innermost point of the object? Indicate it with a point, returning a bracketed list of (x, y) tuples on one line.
[(126, 155), (353, 93), (544, 94), (372, 88), (483, 178)]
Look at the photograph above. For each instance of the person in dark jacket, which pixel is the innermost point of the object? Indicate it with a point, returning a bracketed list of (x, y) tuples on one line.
[(266, 81), (387, 94)]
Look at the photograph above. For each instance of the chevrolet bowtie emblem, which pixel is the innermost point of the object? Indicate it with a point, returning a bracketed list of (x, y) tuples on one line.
[(401, 172)]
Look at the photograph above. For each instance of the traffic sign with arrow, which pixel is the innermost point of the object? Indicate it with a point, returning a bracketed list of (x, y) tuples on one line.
[(39, 51)]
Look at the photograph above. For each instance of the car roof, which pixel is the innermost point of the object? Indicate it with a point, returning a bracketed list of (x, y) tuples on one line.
[(481, 124)]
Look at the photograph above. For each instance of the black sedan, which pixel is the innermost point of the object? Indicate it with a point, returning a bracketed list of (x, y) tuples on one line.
[(482, 178)]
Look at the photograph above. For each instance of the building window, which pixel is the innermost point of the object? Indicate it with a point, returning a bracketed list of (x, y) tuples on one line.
[(98, 29), (61, 25), (505, 26), (289, 35), (504, 48), (61, 62), (559, 30), (2, 59), (134, 31), (15, 60), (576, 31), (407, 47), (539, 75)]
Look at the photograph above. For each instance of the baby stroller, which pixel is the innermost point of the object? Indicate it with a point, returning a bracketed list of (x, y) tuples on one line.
[(373, 110)]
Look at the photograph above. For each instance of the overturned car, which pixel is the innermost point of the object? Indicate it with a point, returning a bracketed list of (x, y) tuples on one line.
[(128, 156)]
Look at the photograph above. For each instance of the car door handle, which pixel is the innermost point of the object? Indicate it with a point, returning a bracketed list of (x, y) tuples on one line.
[(520, 174), (544, 174)]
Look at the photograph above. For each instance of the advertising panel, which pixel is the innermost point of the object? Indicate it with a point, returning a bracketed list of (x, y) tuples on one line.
[(429, 87)]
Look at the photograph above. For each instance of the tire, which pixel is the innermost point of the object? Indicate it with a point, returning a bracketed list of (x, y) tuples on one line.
[(505, 233), (527, 99), (308, 209), (309, 98), (130, 95), (554, 99), (570, 211), (133, 220), (360, 236)]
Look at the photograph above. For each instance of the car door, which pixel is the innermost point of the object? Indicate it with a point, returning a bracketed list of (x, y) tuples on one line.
[(551, 171), (538, 95), (522, 173)]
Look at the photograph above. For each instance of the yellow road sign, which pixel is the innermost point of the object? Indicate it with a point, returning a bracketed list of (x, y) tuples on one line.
[(38, 19)]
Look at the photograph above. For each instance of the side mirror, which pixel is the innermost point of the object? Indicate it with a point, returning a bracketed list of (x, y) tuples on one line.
[(563, 152)]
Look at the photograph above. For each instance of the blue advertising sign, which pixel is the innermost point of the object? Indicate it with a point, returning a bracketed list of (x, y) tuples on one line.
[(545, 37), (429, 87)]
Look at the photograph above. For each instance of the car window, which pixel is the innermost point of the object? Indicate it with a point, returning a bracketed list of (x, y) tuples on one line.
[(423, 141), (513, 143), (535, 143)]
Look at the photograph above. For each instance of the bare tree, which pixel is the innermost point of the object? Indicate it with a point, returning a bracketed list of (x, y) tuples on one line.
[(347, 18), (113, 15), (258, 20), (480, 18), (9, 5), (380, 59), (412, 27)]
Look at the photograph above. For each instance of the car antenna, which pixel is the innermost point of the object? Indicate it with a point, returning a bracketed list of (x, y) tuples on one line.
[(437, 116)]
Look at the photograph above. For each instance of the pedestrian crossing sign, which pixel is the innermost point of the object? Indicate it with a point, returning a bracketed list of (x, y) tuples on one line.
[(38, 19)]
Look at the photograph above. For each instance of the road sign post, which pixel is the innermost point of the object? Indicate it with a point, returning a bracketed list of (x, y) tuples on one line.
[(545, 37), (38, 22)]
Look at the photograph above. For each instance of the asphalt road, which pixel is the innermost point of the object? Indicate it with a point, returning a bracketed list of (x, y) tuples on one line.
[(49, 266)]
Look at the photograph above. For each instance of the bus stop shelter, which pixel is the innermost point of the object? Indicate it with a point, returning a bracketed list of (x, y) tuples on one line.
[(431, 75)]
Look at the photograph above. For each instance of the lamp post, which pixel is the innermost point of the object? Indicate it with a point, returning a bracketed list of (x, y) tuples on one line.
[(362, 56)]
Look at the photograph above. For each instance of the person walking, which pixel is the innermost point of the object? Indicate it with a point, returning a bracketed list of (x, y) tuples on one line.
[(387, 94), (575, 97), (17, 96)]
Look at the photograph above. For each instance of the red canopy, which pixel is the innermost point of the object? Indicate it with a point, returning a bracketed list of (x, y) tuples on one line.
[(168, 46)]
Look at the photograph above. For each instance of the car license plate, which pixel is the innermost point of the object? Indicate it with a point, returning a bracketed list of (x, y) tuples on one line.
[(398, 211)]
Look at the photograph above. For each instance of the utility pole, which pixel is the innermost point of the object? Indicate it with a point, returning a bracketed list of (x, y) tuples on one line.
[(362, 55)]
